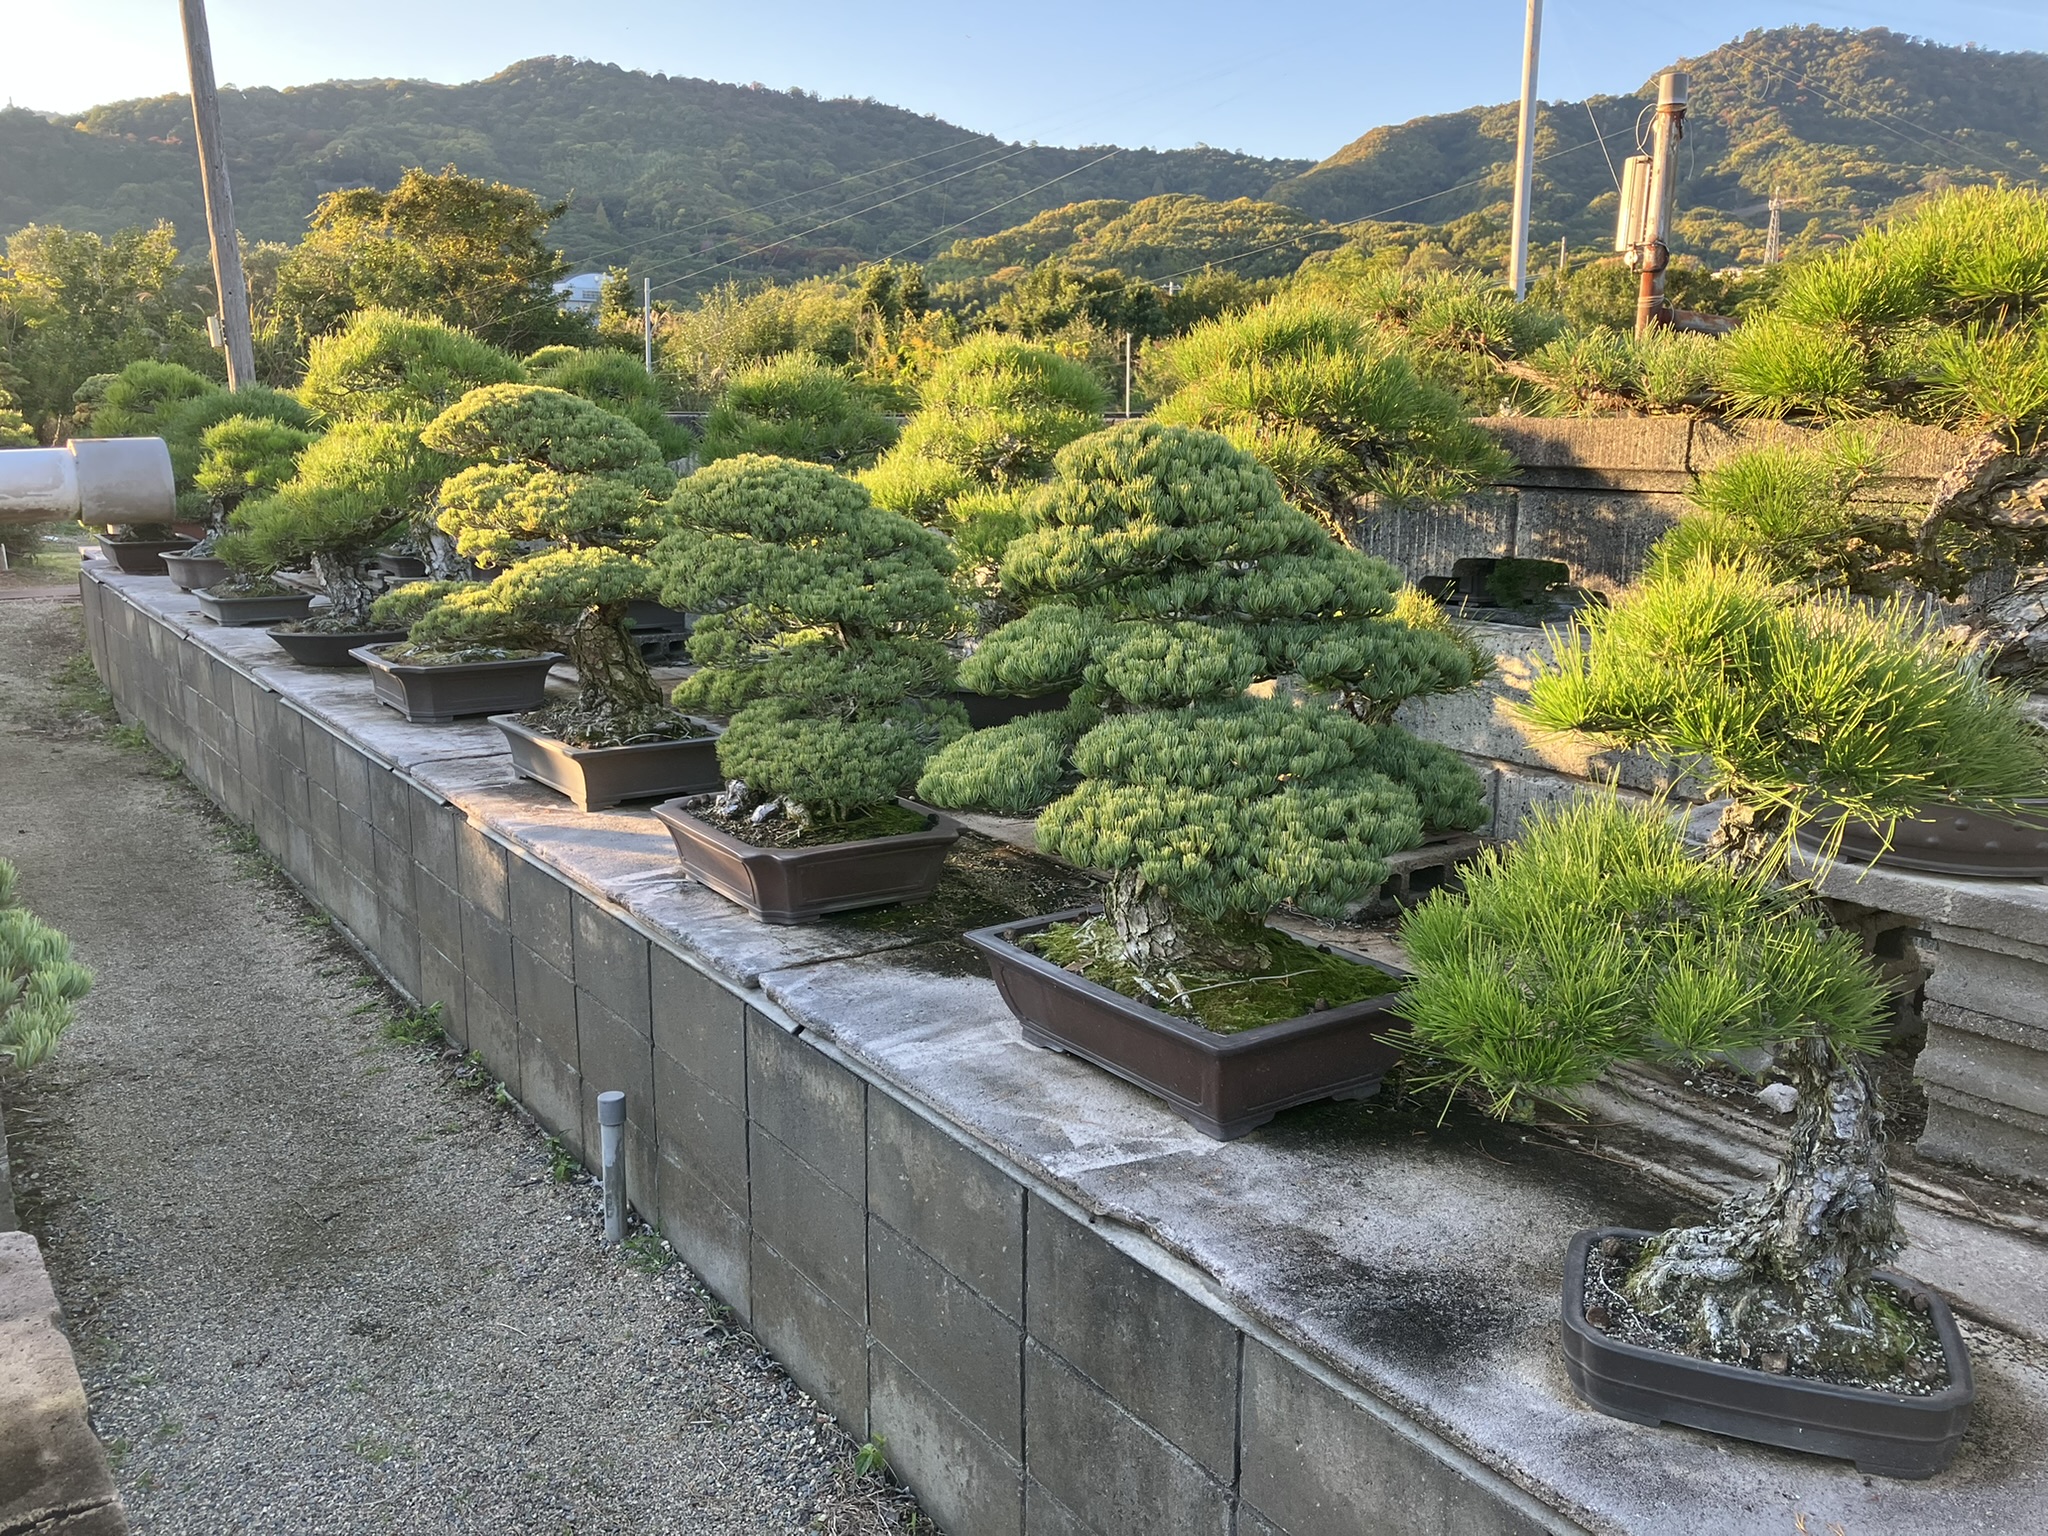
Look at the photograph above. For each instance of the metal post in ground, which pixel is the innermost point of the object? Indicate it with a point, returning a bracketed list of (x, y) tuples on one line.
[(1673, 86), (611, 1125)]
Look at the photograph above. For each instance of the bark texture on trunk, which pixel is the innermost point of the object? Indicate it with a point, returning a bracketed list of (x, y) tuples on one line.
[(608, 662), (349, 595), (1146, 926)]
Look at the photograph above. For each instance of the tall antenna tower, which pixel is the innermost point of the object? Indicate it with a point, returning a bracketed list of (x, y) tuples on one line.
[(1773, 246)]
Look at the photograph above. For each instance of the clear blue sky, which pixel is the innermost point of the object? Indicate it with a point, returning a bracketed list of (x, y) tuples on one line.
[(1267, 76)]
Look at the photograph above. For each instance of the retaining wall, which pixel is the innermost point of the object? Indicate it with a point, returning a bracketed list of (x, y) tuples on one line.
[(1063, 1310)]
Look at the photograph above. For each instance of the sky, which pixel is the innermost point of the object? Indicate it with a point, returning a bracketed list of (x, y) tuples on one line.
[(1270, 77)]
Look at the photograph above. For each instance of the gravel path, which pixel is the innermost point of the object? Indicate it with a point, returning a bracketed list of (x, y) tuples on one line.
[(319, 1283)]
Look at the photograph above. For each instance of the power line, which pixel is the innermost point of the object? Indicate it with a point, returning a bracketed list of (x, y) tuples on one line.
[(1003, 204)]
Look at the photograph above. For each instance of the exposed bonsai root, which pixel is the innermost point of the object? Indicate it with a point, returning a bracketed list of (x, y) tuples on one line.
[(595, 721)]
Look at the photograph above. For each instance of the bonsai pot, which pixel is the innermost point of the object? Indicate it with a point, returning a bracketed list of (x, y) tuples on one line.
[(1951, 841), (405, 567), (1885, 1434), (987, 709), (1223, 1085), (598, 777), (254, 610), (140, 557), (795, 885), (436, 695), (194, 571), (332, 648)]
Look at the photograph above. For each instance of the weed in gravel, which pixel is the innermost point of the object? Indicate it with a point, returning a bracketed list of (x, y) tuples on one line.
[(648, 1252), (117, 1452), (79, 688), (870, 1460), (315, 920), (169, 1427), (420, 1027), (562, 1164), (376, 1452)]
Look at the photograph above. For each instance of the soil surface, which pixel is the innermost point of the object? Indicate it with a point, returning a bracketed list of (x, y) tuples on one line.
[(323, 1280)]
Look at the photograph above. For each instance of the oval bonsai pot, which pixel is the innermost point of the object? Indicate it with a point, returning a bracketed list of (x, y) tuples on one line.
[(436, 695), (194, 571), (795, 885), (1950, 841), (1223, 1085), (140, 557), (1886, 1434), (988, 709), (254, 610), (332, 648), (405, 567), (598, 777)]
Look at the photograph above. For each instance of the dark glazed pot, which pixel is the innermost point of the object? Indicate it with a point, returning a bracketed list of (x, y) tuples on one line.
[(1884, 1434), (437, 695), (1222, 1085), (598, 777), (987, 709), (1951, 841), (404, 567), (254, 610), (332, 648), (195, 571), (140, 557), (795, 885)]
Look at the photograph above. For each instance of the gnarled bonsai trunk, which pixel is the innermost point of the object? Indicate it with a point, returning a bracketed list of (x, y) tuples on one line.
[(614, 677), (1785, 1272), (348, 595), (1146, 927)]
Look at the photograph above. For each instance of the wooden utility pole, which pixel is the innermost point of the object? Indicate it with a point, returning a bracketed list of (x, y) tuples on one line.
[(1525, 154), (647, 321), (1673, 86), (228, 280)]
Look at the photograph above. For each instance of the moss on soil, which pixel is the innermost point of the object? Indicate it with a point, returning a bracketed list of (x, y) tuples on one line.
[(781, 832), (408, 655), (580, 725)]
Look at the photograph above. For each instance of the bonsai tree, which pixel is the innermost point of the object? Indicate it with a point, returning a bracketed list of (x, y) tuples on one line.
[(620, 383), (822, 636), (1601, 938), (992, 415), (797, 407), (40, 984), (1165, 575), (387, 366), (564, 499)]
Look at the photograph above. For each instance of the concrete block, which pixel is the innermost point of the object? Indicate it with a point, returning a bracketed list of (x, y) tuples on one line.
[(949, 1200), (700, 1023), (1990, 1058), (552, 1092), (700, 1129), (963, 1481), (546, 1002), (480, 872), (1315, 1463), (1424, 540), (610, 1054), (492, 1034), (811, 1103), (611, 963), (1091, 1455), (319, 754), (356, 841), (710, 1235), (814, 1226), (1521, 790), (352, 780), (439, 911), (52, 1462), (822, 1348), (540, 913), (965, 1350), (432, 824), (1605, 539), (441, 981), (487, 954), (1160, 1353), (1045, 1515), (383, 863), (2004, 986), (1594, 450)]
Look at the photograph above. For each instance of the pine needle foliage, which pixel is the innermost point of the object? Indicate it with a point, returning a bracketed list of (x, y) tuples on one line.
[(620, 383), (1598, 938), (243, 455), (386, 366), (40, 984), (823, 629), (798, 407)]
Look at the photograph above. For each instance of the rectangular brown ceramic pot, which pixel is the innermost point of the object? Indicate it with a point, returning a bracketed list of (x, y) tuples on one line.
[(140, 557), (1951, 840), (1223, 1085), (1885, 1434), (192, 572), (332, 648), (598, 777), (254, 610), (437, 695), (795, 885), (985, 710)]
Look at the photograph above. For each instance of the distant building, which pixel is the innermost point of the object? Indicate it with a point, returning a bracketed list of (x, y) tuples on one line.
[(580, 293)]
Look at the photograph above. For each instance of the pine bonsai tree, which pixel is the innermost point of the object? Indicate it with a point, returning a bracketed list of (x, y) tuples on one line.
[(1165, 575), (797, 407), (387, 366), (619, 382), (40, 983), (822, 636), (564, 499)]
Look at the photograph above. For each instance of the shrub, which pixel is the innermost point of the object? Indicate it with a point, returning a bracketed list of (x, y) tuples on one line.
[(40, 984), (797, 407), (242, 455), (822, 636), (386, 366), (135, 400), (621, 384), (1164, 574)]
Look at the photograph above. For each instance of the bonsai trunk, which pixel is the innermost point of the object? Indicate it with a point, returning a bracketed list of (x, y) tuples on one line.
[(1782, 1276), (1147, 928), (607, 661), (348, 595)]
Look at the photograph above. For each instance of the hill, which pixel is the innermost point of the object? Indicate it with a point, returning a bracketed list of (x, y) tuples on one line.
[(1157, 237), (692, 180)]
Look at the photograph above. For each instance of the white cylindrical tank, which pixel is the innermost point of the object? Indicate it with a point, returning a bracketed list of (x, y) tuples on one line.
[(101, 480)]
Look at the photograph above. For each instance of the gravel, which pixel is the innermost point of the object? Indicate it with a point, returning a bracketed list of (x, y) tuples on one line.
[(319, 1280)]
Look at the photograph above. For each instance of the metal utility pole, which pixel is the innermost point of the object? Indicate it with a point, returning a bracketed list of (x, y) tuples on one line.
[(228, 280), (1127, 373), (647, 320), (1773, 247), (1525, 154), (1653, 247)]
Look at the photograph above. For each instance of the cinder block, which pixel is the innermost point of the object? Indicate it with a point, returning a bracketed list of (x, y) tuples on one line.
[(352, 780), (385, 864), (1045, 1515), (492, 1034), (813, 1225), (949, 1200), (1160, 1353), (811, 1103), (545, 1001), (611, 963), (487, 954), (1091, 1455), (319, 754), (1313, 1460), (440, 912), (957, 1343), (700, 1129), (442, 981), (53, 1461), (963, 1481), (323, 819), (611, 1054), (552, 1092), (710, 1235), (540, 913), (818, 1344), (424, 824), (480, 872), (699, 1023), (1985, 981)]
